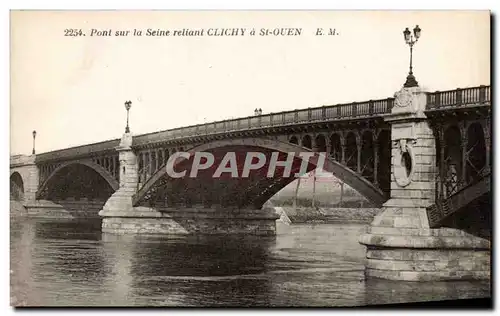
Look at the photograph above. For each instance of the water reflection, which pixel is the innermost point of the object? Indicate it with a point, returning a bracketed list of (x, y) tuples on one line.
[(23, 291), (74, 264), (188, 270)]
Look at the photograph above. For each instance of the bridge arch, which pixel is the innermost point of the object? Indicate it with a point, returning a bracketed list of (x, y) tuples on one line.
[(270, 186), (336, 146), (453, 159), (351, 151), (367, 156), (469, 209), (383, 143), (16, 186), (320, 143), (306, 141), (476, 152), (100, 170)]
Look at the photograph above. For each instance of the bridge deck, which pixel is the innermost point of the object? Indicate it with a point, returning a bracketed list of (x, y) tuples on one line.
[(444, 100)]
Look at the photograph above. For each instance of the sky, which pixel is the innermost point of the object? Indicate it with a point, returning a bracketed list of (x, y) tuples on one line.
[(72, 90)]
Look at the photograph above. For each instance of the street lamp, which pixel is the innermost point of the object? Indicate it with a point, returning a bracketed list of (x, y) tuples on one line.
[(34, 135), (411, 40), (128, 105)]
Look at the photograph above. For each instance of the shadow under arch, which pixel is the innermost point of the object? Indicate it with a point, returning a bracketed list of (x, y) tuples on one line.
[(43, 190), (354, 180), (16, 186)]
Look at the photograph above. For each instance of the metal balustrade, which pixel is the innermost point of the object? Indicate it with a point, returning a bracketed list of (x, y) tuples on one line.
[(324, 113), (459, 98)]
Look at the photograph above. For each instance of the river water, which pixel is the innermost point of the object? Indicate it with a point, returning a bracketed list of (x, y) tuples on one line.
[(74, 264)]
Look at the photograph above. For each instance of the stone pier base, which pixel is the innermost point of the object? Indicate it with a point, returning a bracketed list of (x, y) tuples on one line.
[(187, 221), (399, 247), (427, 264), (64, 209)]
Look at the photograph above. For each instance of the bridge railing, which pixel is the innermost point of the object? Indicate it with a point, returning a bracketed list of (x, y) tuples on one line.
[(309, 115), (83, 150), (459, 97)]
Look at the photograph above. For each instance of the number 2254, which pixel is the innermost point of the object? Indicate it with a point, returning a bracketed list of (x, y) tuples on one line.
[(73, 32)]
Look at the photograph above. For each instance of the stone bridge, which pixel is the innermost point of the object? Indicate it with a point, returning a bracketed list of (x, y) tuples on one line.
[(423, 157)]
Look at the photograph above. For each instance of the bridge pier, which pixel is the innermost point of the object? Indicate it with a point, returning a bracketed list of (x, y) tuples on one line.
[(120, 216), (192, 220), (400, 243), (32, 181), (121, 200)]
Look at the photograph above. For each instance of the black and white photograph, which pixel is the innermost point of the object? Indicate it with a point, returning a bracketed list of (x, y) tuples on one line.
[(284, 158)]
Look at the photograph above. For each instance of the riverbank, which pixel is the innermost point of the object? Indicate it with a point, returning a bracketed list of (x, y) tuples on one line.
[(293, 215), (17, 209)]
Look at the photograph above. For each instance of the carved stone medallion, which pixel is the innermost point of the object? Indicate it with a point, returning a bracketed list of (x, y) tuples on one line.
[(403, 98)]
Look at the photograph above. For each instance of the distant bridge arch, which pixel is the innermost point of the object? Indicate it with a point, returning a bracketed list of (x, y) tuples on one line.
[(16, 186), (88, 165)]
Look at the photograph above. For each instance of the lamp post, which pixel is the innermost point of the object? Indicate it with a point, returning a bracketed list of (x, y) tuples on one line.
[(128, 105), (34, 135), (411, 40)]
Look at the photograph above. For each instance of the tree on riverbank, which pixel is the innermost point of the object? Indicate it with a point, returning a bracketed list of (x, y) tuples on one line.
[(340, 183), (314, 188), (296, 194)]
